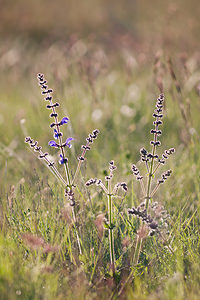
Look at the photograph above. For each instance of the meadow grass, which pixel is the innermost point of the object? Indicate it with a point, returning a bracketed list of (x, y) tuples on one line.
[(39, 257)]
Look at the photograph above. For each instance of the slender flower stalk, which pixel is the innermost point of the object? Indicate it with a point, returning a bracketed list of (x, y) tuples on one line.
[(158, 114), (89, 140), (110, 220), (34, 145), (110, 193), (57, 132)]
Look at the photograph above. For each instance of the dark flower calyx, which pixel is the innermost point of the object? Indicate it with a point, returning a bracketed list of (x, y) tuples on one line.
[(157, 122), (143, 151), (43, 155), (154, 131), (37, 148), (112, 168), (95, 132), (161, 161), (152, 156), (53, 105), (43, 82), (27, 139), (51, 164), (81, 158), (157, 143), (89, 140), (34, 144), (157, 115), (53, 115), (91, 181), (124, 186), (98, 181), (164, 176), (48, 98), (170, 151), (85, 147), (47, 91)]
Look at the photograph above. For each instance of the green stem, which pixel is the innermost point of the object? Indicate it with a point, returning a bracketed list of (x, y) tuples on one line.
[(149, 186), (135, 262), (151, 172), (137, 251), (111, 237)]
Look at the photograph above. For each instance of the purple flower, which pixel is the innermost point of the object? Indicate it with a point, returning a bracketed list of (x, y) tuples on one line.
[(62, 160), (53, 144), (57, 134), (64, 121), (67, 142)]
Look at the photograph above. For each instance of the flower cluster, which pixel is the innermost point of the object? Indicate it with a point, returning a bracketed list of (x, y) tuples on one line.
[(166, 155), (90, 139), (143, 154), (150, 158), (157, 220), (136, 172), (158, 115), (34, 145), (122, 185), (145, 217), (70, 196), (93, 181), (112, 168), (98, 182), (44, 155), (57, 131), (164, 176)]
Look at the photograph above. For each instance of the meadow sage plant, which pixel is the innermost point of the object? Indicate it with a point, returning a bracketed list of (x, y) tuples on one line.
[(66, 180), (146, 209), (153, 218)]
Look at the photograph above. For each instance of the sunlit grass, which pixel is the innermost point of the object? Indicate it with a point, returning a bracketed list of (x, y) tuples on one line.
[(32, 201)]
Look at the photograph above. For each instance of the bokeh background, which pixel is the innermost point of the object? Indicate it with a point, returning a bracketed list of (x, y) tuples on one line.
[(167, 24)]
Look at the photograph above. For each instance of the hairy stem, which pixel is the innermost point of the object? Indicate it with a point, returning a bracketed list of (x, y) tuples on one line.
[(79, 164), (147, 198)]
